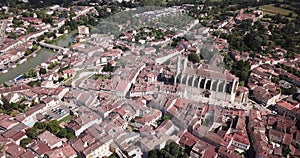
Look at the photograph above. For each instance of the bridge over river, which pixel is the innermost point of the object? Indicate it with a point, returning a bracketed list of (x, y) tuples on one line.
[(53, 47)]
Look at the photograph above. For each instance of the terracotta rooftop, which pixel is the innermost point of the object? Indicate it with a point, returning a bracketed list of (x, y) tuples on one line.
[(39, 147), (14, 150), (49, 138), (285, 104), (188, 139)]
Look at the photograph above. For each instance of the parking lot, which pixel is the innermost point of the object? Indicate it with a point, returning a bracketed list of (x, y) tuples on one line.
[(57, 113)]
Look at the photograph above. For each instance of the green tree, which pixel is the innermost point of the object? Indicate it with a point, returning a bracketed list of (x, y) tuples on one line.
[(35, 47), (253, 41), (70, 136), (166, 117), (12, 35), (32, 133), (62, 133), (60, 79), (34, 83), (152, 154), (275, 79), (194, 57), (27, 14), (40, 125), (41, 14), (61, 30), (4, 99), (112, 156), (30, 29), (108, 68), (28, 52), (40, 38), (289, 91), (32, 73), (241, 69), (242, 83), (43, 71), (17, 22), (53, 126), (285, 150), (24, 142), (171, 150), (52, 65)]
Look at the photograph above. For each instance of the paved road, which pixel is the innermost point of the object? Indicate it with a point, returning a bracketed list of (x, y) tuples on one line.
[(246, 106), (82, 76)]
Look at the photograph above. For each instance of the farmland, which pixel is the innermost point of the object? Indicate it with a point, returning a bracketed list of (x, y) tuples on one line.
[(270, 9)]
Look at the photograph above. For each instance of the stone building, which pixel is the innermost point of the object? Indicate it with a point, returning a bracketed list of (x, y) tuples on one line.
[(207, 80)]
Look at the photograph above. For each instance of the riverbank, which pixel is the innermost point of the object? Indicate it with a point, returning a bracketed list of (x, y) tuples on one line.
[(31, 62), (20, 61), (57, 40), (35, 59)]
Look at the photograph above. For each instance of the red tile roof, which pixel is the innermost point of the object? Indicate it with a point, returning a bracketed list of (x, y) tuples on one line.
[(14, 150), (209, 153), (40, 147), (188, 139), (287, 139), (241, 139), (285, 104)]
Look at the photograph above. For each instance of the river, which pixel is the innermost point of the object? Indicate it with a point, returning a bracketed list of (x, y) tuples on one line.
[(32, 62)]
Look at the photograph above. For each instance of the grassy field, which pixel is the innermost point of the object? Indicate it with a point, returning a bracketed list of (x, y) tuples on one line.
[(66, 119), (269, 9)]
